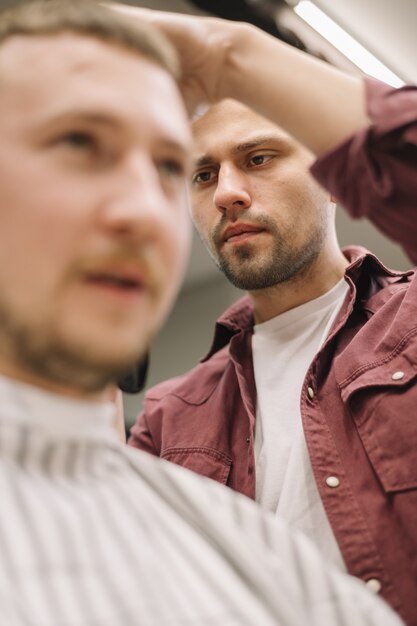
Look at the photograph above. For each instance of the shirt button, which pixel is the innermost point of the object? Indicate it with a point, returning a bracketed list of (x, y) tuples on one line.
[(374, 585), (310, 392), (397, 375), (332, 481), (247, 439)]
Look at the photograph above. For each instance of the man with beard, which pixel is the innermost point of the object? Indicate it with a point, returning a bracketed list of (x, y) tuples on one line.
[(94, 233), (306, 399)]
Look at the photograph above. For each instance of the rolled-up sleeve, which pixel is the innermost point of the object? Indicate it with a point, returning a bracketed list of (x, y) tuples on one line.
[(373, 174)]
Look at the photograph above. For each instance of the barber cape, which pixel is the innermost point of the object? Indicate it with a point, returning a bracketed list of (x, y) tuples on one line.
[(93, 533)]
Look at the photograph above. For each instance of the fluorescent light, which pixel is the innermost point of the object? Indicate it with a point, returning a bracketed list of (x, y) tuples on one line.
[(345, 43)]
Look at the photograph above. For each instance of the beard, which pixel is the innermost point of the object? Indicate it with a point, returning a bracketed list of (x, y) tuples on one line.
[(38, 349), (249, 269)]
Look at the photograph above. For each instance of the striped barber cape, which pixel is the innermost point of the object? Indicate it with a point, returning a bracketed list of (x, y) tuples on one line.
[(93, 533)]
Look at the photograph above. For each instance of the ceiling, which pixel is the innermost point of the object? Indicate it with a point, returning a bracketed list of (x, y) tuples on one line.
[(386, 28)]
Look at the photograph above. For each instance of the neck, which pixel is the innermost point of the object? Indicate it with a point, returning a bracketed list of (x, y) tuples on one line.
[(326, 271), (65, 390)]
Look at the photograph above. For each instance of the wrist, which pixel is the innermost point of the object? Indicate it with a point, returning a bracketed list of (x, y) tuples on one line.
[(230, 41), (248, 50)]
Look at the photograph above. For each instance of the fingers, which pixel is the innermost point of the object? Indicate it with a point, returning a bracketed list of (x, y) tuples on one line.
[(199, 42)]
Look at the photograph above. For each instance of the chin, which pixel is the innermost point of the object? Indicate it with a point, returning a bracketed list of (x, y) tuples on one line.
[(110, 352), (119, 356), (110, 340)]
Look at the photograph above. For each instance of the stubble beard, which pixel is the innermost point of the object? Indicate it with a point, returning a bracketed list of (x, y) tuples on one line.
[(39, 351), (248, 269)]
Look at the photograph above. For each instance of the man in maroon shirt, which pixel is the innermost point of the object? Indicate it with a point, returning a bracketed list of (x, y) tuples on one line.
[(270, 229)]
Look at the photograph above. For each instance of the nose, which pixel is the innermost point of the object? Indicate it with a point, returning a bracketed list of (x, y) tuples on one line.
[(136, 205), (232, 194)]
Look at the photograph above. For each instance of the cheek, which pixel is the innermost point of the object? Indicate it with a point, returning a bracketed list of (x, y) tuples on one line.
[(204, 219), (299, 196), (303, 186), (32, 244)]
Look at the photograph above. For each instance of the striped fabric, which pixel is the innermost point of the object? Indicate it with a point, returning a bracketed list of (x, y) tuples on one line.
[(96, 534)]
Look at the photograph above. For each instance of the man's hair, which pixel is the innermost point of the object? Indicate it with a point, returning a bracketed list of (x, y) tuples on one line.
[(92, 19)]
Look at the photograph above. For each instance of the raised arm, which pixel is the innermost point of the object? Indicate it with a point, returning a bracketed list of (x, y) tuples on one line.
[(316, 103)]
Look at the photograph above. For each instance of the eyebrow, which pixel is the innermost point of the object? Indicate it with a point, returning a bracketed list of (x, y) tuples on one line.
[(103, 119), (246, 146), (85, 116)]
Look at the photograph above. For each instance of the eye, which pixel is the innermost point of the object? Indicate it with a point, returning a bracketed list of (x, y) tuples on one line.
[(79, 139), (87, 148), (202, 177), (259, 159)]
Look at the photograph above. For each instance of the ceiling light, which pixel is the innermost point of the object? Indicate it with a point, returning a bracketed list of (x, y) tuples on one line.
[(345, 43)]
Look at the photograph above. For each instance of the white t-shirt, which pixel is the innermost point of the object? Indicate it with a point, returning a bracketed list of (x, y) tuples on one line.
[(283, 349)]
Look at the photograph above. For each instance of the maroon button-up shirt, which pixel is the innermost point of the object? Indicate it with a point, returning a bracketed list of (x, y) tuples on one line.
[(360, 422)]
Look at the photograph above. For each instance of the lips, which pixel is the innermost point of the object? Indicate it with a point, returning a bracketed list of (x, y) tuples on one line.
[(239, 231), (123, 279)]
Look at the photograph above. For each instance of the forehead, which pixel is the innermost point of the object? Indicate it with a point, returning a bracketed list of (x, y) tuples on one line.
[(47, 75), (230, 123)]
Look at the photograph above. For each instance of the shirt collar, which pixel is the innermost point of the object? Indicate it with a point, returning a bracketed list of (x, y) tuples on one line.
[(239, 316)]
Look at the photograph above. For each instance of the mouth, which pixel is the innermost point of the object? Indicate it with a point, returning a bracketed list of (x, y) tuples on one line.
[(240, 232), (120, 281)]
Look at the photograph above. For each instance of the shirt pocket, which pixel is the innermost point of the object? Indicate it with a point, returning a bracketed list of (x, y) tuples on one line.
[(382, 401), (204, 461)]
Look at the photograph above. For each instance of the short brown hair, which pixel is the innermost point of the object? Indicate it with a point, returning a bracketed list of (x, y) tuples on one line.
[(89, 18)]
